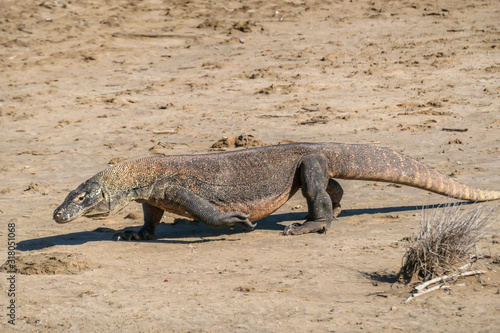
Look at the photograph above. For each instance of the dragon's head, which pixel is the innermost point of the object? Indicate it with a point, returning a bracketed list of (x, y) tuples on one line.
[(105, 194), (88, 199)]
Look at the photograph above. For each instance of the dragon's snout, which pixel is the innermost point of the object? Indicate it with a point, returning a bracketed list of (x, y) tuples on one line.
[(59, 216)]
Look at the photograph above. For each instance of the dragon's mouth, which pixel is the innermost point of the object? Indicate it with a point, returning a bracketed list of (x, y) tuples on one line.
[(62, 216), (98, 216)]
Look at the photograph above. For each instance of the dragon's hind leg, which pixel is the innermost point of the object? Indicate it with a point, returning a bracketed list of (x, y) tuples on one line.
[(323, 196)]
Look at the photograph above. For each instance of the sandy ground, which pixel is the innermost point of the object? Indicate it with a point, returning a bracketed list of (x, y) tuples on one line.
[(84, 83)]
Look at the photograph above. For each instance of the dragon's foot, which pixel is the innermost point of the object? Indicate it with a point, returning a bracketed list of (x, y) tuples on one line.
[(232, 219), (306, 227), (133, 235)]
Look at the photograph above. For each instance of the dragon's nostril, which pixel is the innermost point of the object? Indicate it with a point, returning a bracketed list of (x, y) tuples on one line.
[(58, 215)]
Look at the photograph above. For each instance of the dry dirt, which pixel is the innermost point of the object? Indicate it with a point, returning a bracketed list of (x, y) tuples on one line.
[(87, 83)]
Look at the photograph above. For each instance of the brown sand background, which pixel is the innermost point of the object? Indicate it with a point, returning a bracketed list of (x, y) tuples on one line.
[(84, 83)]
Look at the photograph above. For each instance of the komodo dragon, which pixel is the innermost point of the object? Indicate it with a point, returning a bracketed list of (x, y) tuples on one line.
[(235, 188)]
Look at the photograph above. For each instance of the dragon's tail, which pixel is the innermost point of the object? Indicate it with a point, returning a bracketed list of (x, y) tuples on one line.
[(363, 162)]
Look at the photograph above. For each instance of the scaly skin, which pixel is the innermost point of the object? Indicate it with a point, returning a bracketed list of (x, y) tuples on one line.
[(236, 188)]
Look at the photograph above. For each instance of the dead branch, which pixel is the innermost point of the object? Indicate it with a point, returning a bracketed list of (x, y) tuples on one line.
[(421, 287)]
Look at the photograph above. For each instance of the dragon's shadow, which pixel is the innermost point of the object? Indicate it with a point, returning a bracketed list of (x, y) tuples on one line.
[(182, 233)]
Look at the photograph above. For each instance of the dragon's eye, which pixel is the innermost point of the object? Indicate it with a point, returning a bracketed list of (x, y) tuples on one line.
[(81, 197)]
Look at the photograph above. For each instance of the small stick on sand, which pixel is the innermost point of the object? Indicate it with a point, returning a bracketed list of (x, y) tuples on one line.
[(166, 131), (421, 288)]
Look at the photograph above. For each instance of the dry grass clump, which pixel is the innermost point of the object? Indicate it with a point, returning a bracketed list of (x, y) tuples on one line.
[(447, 237)]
